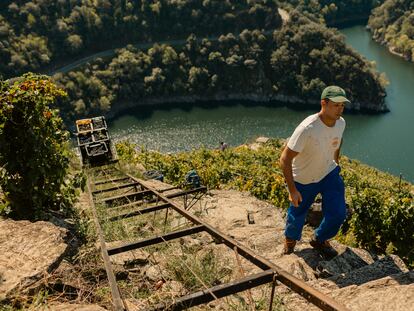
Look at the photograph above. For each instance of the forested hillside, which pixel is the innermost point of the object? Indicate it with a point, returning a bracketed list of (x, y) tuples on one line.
[(392, 24), (36, 33), (298, 60), (234, 49), (334, 12)]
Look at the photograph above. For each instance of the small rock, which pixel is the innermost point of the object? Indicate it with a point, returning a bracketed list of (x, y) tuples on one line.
[(75, 307), (250, 218), (131, 259), (155, 273), (262, 140), (174, 288), (314, 216)]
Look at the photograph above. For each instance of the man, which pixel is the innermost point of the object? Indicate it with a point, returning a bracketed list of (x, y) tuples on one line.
[(310, 166), (223, 146)]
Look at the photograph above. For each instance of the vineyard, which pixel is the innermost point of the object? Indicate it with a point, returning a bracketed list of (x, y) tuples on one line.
[(381, 206)]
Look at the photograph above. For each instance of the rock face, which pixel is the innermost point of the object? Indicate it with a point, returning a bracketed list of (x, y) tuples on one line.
[(28, 251)]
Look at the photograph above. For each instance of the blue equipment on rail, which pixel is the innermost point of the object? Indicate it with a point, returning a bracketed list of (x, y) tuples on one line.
[(192, 178)]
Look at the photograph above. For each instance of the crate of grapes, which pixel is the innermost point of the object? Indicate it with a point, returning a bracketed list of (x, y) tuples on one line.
[(84, 125), (98, 123), (94, 142), (98, 149), (85, 138)]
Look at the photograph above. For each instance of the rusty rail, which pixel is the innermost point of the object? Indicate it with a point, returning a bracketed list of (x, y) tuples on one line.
[(116, 296)]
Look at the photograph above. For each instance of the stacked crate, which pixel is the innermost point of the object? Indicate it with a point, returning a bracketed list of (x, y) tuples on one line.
[(93, 140)]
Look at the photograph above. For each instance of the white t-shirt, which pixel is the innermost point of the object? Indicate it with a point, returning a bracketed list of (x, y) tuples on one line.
[(316, 143)]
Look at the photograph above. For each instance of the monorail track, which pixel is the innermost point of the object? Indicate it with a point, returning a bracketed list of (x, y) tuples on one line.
[(133, 198)]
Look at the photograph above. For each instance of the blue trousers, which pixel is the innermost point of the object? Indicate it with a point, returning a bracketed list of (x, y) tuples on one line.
[(332, 189)]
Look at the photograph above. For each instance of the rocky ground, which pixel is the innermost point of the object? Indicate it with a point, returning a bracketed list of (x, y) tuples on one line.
[(356, 278)]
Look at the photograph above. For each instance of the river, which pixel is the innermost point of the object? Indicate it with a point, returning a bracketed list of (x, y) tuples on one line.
[(384, 141)]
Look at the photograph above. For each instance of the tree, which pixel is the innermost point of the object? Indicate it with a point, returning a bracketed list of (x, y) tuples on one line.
[(34, 152), (154, 83), (198, 79), (74, 43)]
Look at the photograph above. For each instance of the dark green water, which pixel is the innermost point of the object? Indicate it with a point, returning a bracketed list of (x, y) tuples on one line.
[(383, 141)]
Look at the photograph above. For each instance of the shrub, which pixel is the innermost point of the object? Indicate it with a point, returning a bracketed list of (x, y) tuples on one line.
[(34, 150), (384, 223)]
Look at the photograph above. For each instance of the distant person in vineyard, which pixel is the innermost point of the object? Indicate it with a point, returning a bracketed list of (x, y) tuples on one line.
[(310, 166), (223, 146)]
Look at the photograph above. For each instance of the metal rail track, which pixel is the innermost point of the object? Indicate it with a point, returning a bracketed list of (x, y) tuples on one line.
[(145, 194)]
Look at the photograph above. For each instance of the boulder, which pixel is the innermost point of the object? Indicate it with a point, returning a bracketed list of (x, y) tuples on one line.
[(28, 252)]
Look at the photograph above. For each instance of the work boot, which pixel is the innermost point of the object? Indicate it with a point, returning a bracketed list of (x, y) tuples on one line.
[(324, 248), (289, 246)]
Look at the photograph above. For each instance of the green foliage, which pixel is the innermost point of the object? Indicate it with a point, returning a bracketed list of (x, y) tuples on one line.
[(240, 168), (35, 34), (382, 208), (309, 57), (334, 12), (393, 24), (385, 224), (381, 205), (71, 27), (34, 152), (298, 60)]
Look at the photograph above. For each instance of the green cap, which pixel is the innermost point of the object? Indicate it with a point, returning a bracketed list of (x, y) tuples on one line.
[(335, 94)]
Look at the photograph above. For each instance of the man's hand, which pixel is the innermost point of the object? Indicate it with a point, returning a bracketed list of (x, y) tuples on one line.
[(286, 164), (295, 197)]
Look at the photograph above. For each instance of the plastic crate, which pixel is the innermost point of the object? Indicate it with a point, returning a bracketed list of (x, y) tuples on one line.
[(95, 150), (84, 125), (85, 138), (100, 135), (94, 143), (99, 123)]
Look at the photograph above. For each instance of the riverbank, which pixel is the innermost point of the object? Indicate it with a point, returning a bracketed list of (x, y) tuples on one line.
[(221, 99), (391, 25), (349, 22), (392, 49)]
